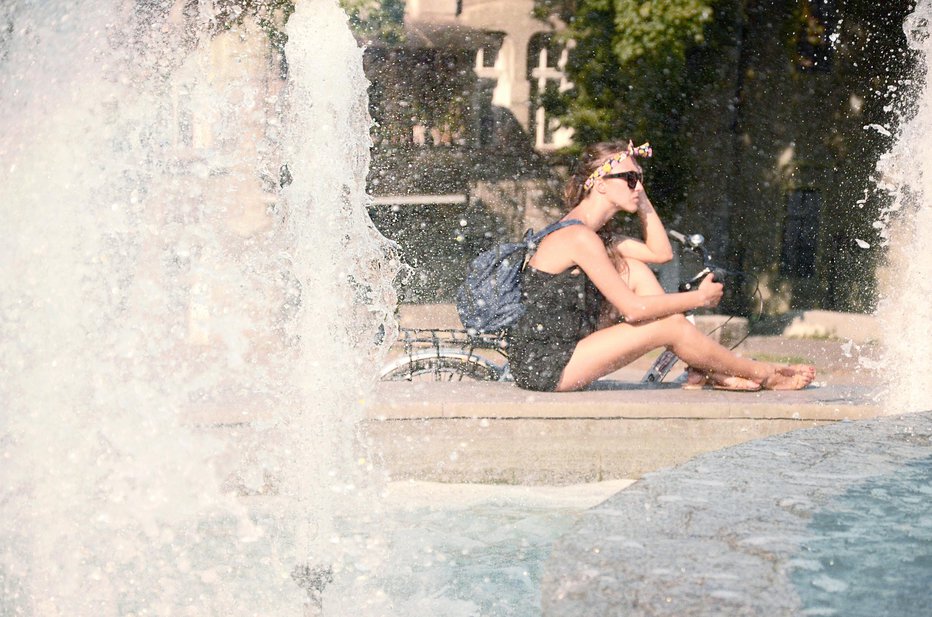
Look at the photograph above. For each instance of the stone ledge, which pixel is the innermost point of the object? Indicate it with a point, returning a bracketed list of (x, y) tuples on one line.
[(487, 432), (553, 451), (401, 400), (498, 433)]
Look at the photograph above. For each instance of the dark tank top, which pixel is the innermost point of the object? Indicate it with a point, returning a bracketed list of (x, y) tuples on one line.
[(560, 310)]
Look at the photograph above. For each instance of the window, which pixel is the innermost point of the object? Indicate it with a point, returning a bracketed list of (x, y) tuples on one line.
[(546, 63), (487, 56), (800, 234), (420, 97)]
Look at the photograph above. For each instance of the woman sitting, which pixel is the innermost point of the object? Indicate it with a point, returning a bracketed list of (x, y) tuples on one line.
[(562, 344)]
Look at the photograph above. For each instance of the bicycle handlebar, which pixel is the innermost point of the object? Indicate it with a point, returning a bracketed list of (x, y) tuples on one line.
[(677, 236), (694, 242)]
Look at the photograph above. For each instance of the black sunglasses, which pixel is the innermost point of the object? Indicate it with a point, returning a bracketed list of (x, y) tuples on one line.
[(631, 177)]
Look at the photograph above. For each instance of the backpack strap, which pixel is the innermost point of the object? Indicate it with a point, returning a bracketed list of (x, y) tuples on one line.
[(532, 239)]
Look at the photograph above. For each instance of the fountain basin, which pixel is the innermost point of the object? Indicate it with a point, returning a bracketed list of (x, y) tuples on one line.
[(761, 529)]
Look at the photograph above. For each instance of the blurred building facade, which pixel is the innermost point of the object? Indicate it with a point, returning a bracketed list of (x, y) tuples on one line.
[(462, 144)]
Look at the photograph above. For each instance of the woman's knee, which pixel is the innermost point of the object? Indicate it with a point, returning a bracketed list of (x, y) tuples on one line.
[(677, 327), (636, 266), (666, 331), (641, 278)]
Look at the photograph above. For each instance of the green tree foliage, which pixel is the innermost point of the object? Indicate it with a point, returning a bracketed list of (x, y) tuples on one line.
[(660, 30), (629, 68), (370, 20), (380, 20), (270, 14)]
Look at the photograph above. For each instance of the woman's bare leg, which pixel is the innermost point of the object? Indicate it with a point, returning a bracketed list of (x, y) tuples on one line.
[(615, 346), (611, 348), (642, 281)]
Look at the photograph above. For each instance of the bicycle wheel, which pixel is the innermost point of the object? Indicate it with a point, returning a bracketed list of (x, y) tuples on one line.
[(446, 366)]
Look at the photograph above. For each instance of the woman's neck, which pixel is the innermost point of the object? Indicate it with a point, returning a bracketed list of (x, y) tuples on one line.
[(593, 212)]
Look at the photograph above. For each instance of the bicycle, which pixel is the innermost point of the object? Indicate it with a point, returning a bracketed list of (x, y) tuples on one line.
[(447, 354)]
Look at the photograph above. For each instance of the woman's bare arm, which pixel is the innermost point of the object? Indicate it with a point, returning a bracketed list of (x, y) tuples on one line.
[(588, 253)]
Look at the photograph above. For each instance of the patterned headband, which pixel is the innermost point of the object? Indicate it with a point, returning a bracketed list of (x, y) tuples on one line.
[(642, 150)]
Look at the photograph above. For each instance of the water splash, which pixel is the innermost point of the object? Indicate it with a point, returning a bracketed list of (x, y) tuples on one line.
[(905, 312), (157, 281)]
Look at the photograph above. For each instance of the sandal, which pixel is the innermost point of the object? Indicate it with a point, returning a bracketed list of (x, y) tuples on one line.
[(734, 384), (696, 380)]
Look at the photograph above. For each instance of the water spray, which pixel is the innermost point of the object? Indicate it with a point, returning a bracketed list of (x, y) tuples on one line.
[(185, 338)]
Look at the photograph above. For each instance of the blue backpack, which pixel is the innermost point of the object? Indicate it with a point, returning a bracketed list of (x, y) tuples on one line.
[(489, 299)]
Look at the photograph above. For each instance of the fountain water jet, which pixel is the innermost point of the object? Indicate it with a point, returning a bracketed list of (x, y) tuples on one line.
[(157, 280), (907, 227)]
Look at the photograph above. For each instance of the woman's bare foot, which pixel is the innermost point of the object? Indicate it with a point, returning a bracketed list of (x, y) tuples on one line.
[(804, 368), (792, 377)]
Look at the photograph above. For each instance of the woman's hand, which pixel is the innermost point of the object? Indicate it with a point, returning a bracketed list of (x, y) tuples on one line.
[(711, 291), (645, 206)]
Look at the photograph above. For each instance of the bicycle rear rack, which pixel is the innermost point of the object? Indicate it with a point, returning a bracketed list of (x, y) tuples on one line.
[(448, 354), (449, 338)]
